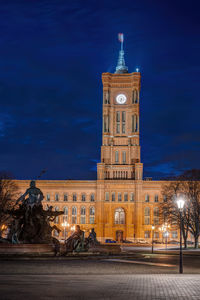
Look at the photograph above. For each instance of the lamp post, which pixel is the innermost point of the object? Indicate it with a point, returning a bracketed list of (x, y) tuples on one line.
[(65, 225), (180, 203), (152, 232)]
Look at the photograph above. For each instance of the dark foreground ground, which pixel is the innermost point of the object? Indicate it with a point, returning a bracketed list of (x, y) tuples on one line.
[(129, 277)]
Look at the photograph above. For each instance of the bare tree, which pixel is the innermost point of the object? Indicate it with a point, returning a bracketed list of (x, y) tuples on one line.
[(187, 185), (8, 196)]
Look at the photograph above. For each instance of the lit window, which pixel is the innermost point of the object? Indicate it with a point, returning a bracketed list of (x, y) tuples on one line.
[(65, 216), (57, 218), (146, 216), (174, 234), (92, 215), (74, 215), (147, 234), (83, 215), (119, 216)]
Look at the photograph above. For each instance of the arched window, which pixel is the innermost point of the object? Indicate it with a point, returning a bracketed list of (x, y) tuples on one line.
[(65, 216), (116, 156), (135, 123), (83, 197), (74, 197), (74, 215), (124, 157), (156, 198), (156, 216), (92, 214), (119, 216), (113, 197), (146, 216), (132, 197), (57, 218), (92, 198), (146, 198), (83, 215)]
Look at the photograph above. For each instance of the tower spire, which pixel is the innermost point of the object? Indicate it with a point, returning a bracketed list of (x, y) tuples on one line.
[(121, 67)]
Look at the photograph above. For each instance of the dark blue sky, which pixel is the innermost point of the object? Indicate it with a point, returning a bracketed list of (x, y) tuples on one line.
[(52, 54)]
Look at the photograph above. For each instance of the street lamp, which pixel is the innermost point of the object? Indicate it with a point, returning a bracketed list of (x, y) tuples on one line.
[(180, 203), (152, 232), (65, 225)]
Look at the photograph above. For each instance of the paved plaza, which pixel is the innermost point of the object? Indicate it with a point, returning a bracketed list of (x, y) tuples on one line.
[(139, 277)]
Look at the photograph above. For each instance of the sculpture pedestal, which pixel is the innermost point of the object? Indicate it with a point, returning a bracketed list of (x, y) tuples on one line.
[(105, 249), (26, 249)]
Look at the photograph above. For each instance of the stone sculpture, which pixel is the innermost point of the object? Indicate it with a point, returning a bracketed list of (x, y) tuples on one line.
[(30, 222)]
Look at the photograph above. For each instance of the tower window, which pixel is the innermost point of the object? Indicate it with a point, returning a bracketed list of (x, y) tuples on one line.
[(118, 122), (107, 196), (106, 97), (119, 197), (116, 156), (125, 197), (106, 123), (124, 157), (123, 122), (132, 197), (113, 197), (146, 198)]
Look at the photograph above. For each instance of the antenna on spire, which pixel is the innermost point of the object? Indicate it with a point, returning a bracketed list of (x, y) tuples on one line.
[(121, 39), (121, 67)]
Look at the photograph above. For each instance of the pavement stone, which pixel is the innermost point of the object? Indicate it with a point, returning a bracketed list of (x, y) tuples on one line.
[(136, 286)]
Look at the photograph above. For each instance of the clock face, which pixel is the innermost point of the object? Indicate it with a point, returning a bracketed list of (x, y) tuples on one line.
[(121, 99)]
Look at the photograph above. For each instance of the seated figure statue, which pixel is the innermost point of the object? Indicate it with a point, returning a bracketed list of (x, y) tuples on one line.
[(76, 240), (92, 238)]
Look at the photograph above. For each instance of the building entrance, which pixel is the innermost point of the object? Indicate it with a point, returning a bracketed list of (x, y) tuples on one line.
[(119, 236)]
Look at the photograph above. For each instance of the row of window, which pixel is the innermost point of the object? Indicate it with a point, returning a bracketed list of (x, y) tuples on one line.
[(66, 197), (147, 198), (147, 216), (121, 123), (157, 235), (74, 219), (119, 197)]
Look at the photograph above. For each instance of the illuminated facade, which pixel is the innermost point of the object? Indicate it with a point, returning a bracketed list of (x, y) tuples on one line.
[(119, 204)]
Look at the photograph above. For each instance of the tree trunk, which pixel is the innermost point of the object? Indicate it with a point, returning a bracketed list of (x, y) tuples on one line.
[(196, 244)]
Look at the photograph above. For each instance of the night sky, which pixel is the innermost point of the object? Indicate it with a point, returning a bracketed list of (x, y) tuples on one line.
[(52, 54)]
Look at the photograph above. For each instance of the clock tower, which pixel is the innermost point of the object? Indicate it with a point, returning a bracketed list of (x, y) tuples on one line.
[(120, 150)]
